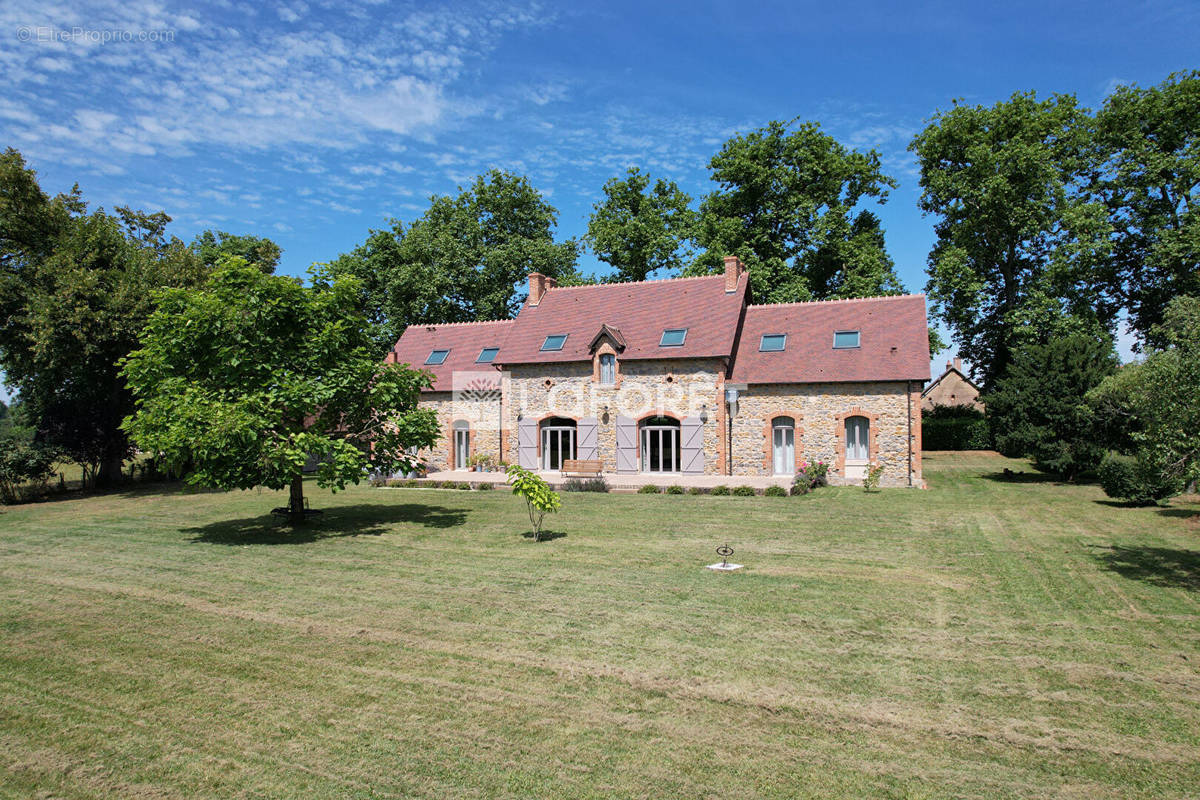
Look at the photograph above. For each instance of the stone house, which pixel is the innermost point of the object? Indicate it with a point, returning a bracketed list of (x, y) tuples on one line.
[(681, 376), (951, 388)]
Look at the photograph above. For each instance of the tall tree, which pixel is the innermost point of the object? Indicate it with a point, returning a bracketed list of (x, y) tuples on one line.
[(464, 259), (641, 228), (242, 381), (1150, 183), (75, 291), (789, 206), (212, 246), (1018, 242)]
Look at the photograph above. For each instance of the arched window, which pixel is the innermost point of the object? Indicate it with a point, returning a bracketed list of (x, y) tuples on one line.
[(558, 442), (783, 445), (858, 440), (660, 445), (462, 444)]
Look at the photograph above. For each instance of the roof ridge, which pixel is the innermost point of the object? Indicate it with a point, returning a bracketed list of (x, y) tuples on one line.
[(836, 300), (635, 283), (447, 324)]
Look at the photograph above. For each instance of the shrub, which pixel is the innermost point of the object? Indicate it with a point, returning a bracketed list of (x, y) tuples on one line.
[(24, 469), (448, 484), (1134, 480), (871, 479), (585, 485), (649, 488), (485, 487), (720, 491), (540, 499), (800, 486), (955, 428), (744, 491), (466, 486), (696, 490), (374, 480), (775, 491), (810, 477), (410, 483), (676, 489)]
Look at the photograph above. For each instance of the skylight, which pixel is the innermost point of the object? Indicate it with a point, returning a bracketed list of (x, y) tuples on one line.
[(554, 341), (487, 355), (844, 340), (673, 337), (772, 342), (437, 357)]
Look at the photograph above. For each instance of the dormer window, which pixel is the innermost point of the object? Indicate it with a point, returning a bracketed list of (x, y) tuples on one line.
[(772, 342), (554, 341), (845, 340), (673, 337), (608, 369), (487, 355), (437, 357)]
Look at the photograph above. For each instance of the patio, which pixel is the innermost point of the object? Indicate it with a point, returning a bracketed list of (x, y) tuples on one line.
[(632, 481)]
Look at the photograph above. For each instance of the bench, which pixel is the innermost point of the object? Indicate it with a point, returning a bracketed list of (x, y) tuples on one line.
[(580, 467)]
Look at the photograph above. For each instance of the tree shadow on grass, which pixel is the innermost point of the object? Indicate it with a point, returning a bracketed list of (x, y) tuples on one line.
[(1161, 566), (547, 536), (339, 522), (1014, 476)]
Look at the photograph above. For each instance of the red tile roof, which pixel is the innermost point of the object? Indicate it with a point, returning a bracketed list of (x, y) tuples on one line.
[(464, 340), (893, 341), (640, 311)]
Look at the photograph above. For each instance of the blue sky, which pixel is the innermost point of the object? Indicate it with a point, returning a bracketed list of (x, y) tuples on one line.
[(311, 122)]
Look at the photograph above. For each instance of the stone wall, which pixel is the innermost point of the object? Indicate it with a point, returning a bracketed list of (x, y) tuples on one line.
[(819, 411), (482, 418), (677, 388)]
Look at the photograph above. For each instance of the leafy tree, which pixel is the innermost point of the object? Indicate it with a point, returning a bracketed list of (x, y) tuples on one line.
[(22, 462), (1156, 404), (212, 246), (540, 499), (789, 207), (242, 381), (1150, 184), (464, 259), (1039, 408), (75, 291), (1018, 241), (640, 229)]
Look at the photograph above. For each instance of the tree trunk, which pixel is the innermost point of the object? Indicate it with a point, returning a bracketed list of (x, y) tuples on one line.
[(296, 500), (110, 472)]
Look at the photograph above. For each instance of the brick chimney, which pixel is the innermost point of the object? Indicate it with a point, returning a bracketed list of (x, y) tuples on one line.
[(733, 270), (958, 364), (538, 284)]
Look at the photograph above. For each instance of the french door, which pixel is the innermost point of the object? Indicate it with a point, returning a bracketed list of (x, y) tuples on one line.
[(462, 448), (783, 446), (558, 445), (660, 449)]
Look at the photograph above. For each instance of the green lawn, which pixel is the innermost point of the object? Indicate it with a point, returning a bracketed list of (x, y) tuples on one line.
[(986, 639)]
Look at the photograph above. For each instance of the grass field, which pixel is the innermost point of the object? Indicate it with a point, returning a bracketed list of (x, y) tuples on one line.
[(985, 639)]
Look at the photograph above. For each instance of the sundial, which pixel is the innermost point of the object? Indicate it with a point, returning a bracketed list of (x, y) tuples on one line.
[(724, 551)]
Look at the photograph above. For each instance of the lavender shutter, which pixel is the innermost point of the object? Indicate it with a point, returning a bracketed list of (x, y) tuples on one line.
[(587, 446), (527, 433), (626, 444), (691, 446)]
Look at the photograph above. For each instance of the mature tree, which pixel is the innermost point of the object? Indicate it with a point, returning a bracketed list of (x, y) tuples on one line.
[(75, 291), (1038, 408), (240, 382), (641, 228), (212, 246), (1150, 183), (464, 259), (1018, 241), (789, 207), (1154, 405)]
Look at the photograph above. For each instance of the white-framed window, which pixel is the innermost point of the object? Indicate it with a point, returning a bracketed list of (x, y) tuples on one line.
[(783, 445), (555, 341), (487, 355), (858, 439), (673, 337), (845, 340), (661, 445), (608, 368), (772, 342), (558, 442), (437, 357), (462, 444)]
